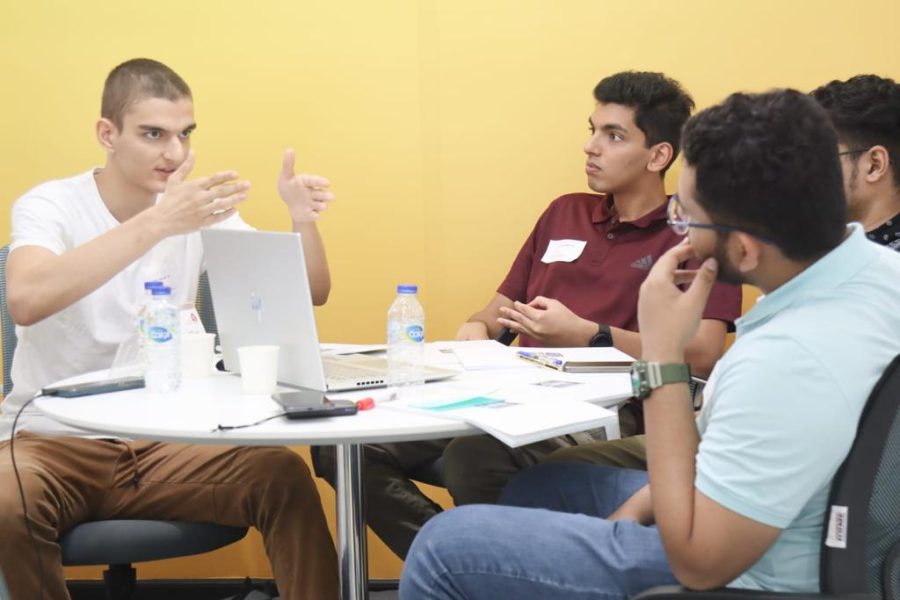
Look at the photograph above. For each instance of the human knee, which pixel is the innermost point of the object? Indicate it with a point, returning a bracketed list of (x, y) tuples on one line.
[(442, 542), (278, 469), (466, 461)]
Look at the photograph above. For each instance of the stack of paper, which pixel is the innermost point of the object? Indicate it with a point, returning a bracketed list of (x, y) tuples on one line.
[(514, 415), (519, 424)]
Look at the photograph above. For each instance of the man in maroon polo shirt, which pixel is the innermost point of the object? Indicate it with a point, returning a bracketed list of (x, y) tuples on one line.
[(574, 283)]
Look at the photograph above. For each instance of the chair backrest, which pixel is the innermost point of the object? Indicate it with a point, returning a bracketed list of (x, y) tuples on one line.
[(8, 326), (865, 501), (204, 308)]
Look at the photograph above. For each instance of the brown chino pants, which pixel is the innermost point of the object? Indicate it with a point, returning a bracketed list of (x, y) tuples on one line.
[(70, 480)]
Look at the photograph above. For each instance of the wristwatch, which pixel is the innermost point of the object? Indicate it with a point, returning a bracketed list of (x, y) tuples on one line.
[(603, 337), (647, 376)]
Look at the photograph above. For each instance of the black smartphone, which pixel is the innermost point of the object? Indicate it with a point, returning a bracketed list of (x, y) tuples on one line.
[(309, 404), (94, 387)]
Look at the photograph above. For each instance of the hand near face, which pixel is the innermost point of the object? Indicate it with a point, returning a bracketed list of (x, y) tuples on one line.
[(306, 196), (549, 322), (668, 316), (188, 205)]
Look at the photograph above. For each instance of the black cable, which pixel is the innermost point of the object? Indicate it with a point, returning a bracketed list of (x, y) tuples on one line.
[(230, 427), (12, 456)]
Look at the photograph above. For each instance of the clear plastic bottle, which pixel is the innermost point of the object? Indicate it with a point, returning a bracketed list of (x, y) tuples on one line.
[(405, 340), (163, 372), (141, 322)]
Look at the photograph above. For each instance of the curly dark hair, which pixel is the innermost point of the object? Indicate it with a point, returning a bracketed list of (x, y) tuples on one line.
[(768, 163), (661, 106), (865, 111)]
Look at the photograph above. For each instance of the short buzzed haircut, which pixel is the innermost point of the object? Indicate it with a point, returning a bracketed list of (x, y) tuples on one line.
[(138, 79)]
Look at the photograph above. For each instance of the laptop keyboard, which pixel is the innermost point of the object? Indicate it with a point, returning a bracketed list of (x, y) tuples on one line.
[(339, 372)]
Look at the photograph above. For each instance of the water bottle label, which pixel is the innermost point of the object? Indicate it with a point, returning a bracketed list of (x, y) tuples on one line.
[(159, 334), (415, 333)]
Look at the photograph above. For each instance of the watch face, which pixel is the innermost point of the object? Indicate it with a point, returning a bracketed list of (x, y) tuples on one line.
[(636, 379)]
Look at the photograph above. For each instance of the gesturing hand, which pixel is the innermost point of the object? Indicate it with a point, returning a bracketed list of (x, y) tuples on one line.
[(668, 316), (306, 196), (187, 206), (548, 321)]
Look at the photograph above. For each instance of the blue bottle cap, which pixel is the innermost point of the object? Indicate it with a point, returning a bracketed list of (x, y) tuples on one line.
[(149, 285), (161, 291), (407, 289)]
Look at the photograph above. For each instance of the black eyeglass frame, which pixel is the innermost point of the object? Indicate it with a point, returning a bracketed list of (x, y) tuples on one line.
[(854, 151), (681, 226)]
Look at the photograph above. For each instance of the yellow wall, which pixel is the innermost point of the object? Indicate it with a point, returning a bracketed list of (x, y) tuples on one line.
[(446, 127)]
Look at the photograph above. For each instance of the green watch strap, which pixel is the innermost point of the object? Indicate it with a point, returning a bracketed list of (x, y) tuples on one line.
[(671, 373), (647, 376)]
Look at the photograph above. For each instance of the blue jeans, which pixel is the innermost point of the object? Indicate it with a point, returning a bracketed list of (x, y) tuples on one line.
[(525, 550)]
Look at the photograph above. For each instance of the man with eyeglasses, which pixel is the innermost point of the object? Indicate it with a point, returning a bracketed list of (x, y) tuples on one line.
[(575, 282), (761, 200), (865, 112)]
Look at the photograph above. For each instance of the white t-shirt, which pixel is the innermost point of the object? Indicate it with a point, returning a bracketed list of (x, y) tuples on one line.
[(61, 215)]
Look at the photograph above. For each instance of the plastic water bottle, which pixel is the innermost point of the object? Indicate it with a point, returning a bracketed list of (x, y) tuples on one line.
[(405, 340), (163, 373), (141, 322)]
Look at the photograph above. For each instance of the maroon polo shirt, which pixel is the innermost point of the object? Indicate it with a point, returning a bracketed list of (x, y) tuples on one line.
[(602, 284)]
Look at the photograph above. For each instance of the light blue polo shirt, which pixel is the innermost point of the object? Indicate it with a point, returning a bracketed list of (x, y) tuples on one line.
[(787, 396)]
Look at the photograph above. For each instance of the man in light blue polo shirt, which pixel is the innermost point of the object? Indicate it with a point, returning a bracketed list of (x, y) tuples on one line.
[(738, 496)]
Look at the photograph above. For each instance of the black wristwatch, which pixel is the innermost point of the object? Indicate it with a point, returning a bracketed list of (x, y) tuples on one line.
[(603, 337), (647, 376)]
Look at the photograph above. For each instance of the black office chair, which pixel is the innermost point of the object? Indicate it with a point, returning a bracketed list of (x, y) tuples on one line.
[(868, 487), (119, 543)]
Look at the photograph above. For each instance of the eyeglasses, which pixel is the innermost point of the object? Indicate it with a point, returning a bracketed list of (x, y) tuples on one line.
[(681, 223), (854, 151)]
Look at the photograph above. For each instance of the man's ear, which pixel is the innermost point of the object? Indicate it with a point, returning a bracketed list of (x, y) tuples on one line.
[(877, 165), (660, 157), (745, 251), (107, 132)]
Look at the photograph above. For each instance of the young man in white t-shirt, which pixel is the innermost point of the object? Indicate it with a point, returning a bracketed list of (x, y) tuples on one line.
[(81, 249)]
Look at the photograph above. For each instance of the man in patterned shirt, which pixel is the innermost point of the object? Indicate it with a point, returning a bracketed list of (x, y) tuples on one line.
[(865, 111)]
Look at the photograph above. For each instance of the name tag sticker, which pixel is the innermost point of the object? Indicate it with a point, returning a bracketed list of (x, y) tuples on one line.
[(837, 528), (563, 251)]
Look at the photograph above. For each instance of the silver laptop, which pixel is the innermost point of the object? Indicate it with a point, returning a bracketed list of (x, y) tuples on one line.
[(260, 292)]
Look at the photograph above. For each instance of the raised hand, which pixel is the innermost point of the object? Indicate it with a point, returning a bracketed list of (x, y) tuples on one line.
[(188, 205), (306, 196), (667, 315)]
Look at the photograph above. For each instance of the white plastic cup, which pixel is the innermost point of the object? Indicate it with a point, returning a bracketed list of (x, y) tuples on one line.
[(197, 355), (259, 369)]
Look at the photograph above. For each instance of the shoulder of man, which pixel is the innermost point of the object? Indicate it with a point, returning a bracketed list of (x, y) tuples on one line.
[(58, 190)]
